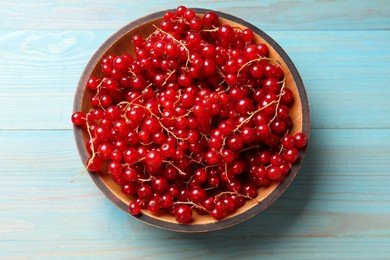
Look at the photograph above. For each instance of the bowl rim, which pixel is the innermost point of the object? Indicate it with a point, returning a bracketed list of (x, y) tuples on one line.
[(221, 224)]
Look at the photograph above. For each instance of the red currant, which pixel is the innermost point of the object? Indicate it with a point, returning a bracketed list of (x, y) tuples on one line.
[(183, 214), (198, 118)]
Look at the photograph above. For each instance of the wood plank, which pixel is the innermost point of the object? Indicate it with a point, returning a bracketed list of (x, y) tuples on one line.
[(175, 246), (340, 192), (270, 14), (345, 74), (337, 208)]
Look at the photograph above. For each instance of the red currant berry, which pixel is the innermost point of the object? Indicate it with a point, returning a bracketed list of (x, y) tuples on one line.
[(291, 155), (210, 19), (300, 140), (160, 184), (197, 195), (154, 204), (249, 190), (196, 23), (166, 201), (287, 97), (276, 159), (78, 118), (104, 150), (287, 141), (212, 157), (94, 164), (183, 214), (217, 214), (145, 191), (134, 208), (235, 142), (93, 83), (153, 159), (130, 174), (129, 189), (180, 10), (274, 173), (262, 49), (247, 35), (234, 186), (115, 168)]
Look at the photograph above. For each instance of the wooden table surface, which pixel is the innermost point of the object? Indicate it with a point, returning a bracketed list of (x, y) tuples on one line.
[(337, 208)]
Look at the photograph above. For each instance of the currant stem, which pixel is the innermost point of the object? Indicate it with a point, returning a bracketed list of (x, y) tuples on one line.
[(92, 150), (258, 59), (278, 102), (192, 204), (226, 170), (174, 166), (178, 98), (236, 28), (148, 179), (251, 114), (176, 41), (210, 30), (166, 79), (133, 75), (249, 148), (97, 95), (128, 104), (235, 193), (197, 162), (161, 124)]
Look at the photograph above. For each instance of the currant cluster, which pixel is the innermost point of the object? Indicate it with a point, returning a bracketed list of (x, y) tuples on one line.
[(197, 120)]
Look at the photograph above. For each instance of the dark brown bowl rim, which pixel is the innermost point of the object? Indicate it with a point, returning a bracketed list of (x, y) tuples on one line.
[(277, 192)]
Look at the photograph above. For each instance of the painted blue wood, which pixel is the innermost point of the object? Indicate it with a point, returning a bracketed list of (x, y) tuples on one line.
[(268, 14), (204, 248), (338, 207), (342, 70)]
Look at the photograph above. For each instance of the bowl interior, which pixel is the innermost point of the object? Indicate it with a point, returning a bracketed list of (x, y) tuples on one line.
[(120, 43)]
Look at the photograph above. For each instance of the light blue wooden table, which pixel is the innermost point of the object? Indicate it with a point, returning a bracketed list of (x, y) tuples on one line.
[(337, 208)]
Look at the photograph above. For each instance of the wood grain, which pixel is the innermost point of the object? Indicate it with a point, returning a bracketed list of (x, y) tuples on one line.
[(335, 197), (338, 207), (340, 70), (269, 15), (203, 247)]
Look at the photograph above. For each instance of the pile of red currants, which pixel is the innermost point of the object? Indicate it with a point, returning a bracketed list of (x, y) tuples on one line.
[(197, 120)]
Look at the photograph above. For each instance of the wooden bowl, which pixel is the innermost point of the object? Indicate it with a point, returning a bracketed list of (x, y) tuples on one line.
[(120, 43)]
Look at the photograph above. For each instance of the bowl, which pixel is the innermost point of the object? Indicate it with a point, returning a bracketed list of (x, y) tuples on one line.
[(120, 43)]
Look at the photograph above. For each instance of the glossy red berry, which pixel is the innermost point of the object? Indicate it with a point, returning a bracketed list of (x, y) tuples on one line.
[(154, 204), (291, 155), (183, 214), (145, 191), (166, 201), (153, 159), (300, 140), (94, 164), (274, 173), (235, 142), (134, 208), (160, 184), (287, 141), (129, 188), (212, 157), (210, 19), (250, 190), (197, 195), (78, 118)]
